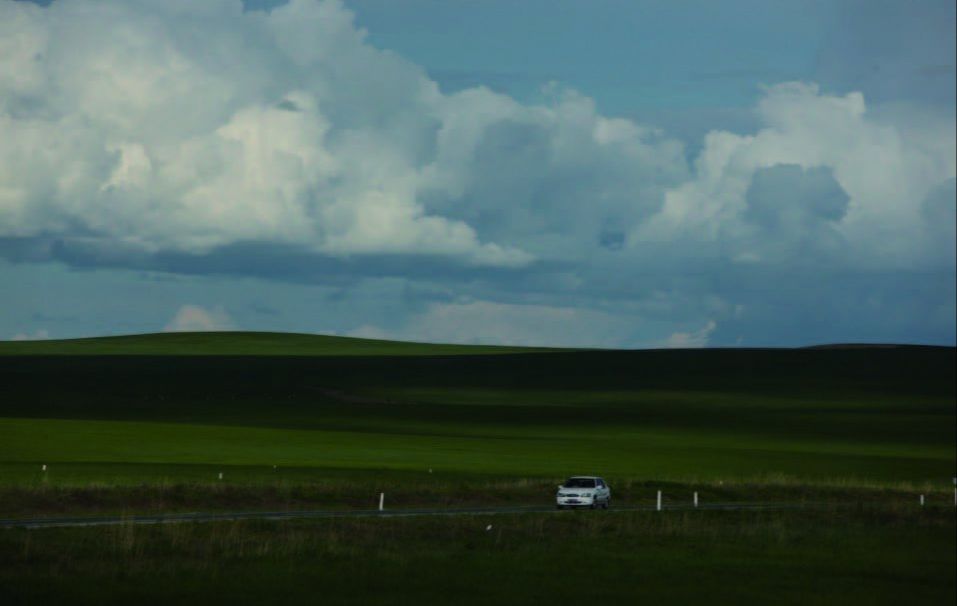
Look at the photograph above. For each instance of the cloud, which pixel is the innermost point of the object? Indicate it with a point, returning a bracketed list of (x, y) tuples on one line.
[(486, 322), (786, 194), (216, 129), (939, 210), (193, 318), (795, 211), (818, 164), (480, 322), (37, 335), (212, 126), (199, 138), (691, 340)]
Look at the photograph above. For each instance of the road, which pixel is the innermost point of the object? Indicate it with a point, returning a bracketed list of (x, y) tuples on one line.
[(173, 518)]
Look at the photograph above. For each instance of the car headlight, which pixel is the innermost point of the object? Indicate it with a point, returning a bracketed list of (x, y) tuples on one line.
[(586, 494)]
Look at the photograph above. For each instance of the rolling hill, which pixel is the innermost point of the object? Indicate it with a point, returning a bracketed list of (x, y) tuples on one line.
[(253, 399)]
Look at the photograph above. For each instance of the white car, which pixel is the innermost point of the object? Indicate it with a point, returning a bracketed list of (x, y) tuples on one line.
[(583, 491)]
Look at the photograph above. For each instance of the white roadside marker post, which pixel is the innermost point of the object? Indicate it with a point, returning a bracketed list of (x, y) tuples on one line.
[(696, 498), (659, 500), (44, 467), (381, 501), (220, 475), (921, 500)]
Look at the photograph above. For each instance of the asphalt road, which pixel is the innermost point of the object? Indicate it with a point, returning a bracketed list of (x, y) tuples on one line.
[(173, 518)]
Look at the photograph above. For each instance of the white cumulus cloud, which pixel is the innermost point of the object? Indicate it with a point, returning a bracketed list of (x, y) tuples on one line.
[(884, 170), (691, 340), (40, 334), (169, 126), (194, 318), (156, 126), (490, 323), (188, 126)]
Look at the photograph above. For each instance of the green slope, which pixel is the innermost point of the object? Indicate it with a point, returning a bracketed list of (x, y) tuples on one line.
[(242, 344), (851, 415)]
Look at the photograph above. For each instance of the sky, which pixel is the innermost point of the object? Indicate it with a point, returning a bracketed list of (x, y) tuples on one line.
[(616, 173)]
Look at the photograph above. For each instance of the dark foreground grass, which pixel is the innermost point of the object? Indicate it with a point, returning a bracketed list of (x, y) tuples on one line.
[(864, 556)]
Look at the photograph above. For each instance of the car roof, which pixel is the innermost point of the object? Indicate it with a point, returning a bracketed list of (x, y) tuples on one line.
[(584, 478)]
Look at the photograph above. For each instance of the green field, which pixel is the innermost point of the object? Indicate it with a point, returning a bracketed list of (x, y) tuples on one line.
[(147, 423), (614, 558), (243, 344)]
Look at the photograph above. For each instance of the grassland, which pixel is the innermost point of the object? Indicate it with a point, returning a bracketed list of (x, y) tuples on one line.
[(147, 424), (864, 557), (871, 416), (240, 344)]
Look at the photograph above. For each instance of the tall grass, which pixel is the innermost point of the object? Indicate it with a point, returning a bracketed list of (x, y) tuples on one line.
[(870, 556)]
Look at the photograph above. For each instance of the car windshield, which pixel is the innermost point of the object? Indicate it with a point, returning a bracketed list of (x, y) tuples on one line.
[(579, 483)]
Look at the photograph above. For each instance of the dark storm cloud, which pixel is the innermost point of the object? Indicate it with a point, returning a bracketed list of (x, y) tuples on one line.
[(787, 193), (255, 259)]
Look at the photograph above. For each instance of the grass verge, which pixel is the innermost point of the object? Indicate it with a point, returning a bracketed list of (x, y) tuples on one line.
[(867, 556)]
